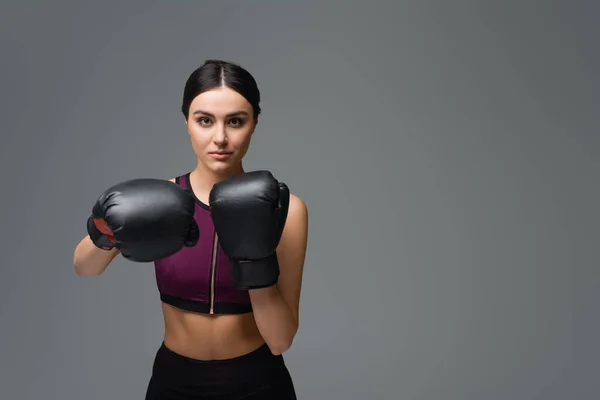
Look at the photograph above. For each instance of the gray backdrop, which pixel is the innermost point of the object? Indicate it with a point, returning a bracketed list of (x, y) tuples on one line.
[(447, 152)]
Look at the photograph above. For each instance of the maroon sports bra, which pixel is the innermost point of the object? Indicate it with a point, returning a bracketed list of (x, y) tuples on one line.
[(198, 278)]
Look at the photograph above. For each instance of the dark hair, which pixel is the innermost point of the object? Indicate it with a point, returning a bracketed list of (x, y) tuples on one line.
[(217, 73)]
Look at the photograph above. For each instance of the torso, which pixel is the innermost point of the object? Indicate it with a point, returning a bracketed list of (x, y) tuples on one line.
[(208, 335)]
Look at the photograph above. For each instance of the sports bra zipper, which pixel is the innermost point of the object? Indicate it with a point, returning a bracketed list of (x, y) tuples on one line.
[(213, 271)]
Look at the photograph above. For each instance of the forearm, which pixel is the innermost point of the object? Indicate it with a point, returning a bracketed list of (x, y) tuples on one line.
[(89, 260), (274, 318)]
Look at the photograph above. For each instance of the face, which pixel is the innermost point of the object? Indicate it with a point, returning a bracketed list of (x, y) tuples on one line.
[(220, 125)]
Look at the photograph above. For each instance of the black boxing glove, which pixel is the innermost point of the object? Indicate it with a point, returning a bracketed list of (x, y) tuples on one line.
[(146, 219), (249, 212)]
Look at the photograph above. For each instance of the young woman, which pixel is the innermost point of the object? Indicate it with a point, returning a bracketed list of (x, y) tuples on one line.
[(223, 339)]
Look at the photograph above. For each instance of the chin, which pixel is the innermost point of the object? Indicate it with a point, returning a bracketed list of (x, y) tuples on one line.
[(220, 167)]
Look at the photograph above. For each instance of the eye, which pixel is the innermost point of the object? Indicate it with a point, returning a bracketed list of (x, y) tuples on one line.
[(237, 122), (203, 120)]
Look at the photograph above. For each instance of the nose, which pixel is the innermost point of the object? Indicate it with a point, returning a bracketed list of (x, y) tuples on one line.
[(219, 135)]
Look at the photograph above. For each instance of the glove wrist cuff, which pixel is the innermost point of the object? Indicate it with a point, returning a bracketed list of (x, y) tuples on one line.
[(255, 274), (100, 240)]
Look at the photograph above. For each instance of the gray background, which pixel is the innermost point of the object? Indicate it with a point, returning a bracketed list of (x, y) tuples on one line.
[(447, 152)]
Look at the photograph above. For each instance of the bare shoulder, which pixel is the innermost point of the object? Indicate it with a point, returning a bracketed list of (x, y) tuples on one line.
[(296, 226), (298, 211), (172, 180)]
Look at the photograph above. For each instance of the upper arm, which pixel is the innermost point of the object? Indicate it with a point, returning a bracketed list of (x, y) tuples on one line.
[(291, 253)]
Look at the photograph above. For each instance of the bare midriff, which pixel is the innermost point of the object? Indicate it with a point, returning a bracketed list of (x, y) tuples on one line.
[(210, 337)]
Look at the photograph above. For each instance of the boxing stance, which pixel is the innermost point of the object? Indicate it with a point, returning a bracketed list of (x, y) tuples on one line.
[(150, 219), (228, 250)]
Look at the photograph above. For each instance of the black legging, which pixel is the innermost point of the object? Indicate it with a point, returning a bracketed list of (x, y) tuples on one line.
[(257, 375)]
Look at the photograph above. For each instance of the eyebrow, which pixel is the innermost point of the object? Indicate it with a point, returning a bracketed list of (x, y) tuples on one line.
[(233, 114)]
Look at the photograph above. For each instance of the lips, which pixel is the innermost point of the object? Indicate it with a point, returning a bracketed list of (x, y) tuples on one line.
[(219, 155)]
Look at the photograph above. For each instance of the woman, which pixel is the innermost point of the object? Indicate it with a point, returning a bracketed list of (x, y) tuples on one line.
[(221, 342)]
